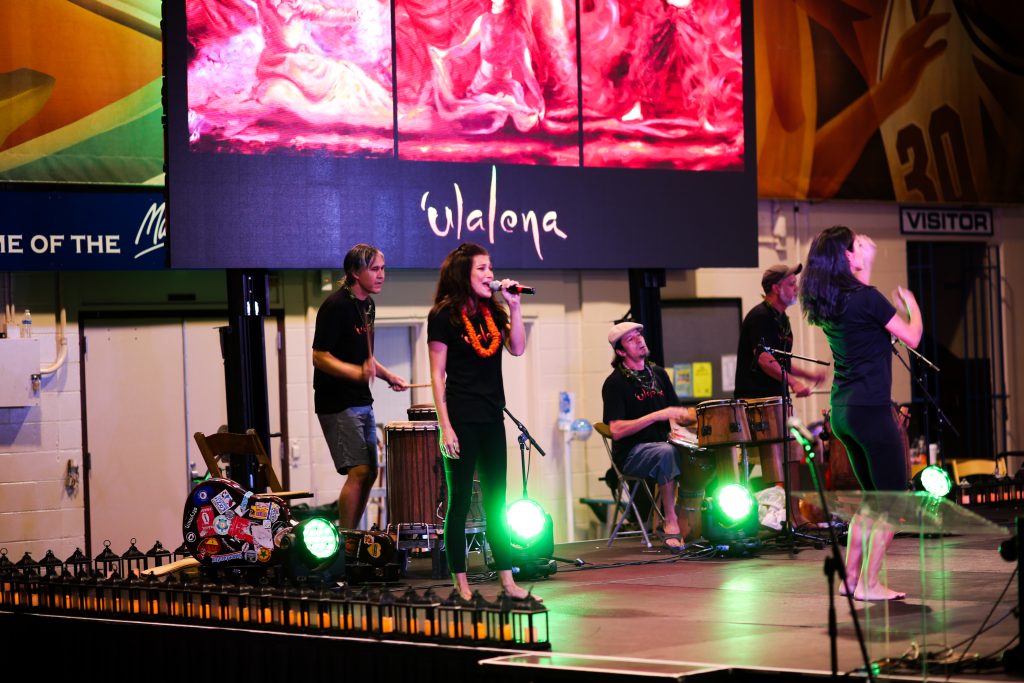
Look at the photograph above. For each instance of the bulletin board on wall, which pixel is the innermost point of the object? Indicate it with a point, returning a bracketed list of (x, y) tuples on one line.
[(700, 339)]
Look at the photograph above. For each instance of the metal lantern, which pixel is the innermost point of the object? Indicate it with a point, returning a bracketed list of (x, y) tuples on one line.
[(456, 617), (6, 583), (131, 593), (133, 561), (175, 591), (264, 596), (78, 564), (529, 620), (405, 613), (181, 552), (426, 613), (485, 619), (107, 562), (359, 619), (158, 555), (386, 621), (322, 607), (153, 595)]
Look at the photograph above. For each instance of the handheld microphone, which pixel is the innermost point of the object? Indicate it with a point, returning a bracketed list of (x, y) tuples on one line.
[(800, 433), (515, 289)]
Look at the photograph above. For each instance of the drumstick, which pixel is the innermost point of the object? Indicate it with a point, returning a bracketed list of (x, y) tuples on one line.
[(419, 386)]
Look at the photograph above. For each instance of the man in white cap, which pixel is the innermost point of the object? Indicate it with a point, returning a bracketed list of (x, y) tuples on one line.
[(641, 409)]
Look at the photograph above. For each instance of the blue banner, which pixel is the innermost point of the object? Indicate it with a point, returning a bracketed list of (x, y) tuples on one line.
[(83, 230)]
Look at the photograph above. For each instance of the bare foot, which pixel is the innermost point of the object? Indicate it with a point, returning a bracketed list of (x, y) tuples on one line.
[(877, 593), (842, 586)]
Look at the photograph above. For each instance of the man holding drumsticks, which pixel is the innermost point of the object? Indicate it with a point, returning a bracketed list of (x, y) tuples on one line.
[(759, 373)]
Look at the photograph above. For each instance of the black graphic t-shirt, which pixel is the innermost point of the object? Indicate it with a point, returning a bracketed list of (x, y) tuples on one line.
[(474, 390), (628, 399), (341, 330), (763, 322)]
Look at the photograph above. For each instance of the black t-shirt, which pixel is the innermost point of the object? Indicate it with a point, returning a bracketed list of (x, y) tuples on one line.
[(474, 390), (861, 348), (629, 399), (341, 330), (762, 322)]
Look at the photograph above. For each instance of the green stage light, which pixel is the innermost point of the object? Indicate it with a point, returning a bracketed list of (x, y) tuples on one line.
[(729, 520), (532, 534), (525, 519), (313, 547), (936, 482), (320, 538), (735, 502)]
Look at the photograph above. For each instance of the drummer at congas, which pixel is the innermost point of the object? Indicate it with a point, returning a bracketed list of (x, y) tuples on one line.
[(758, 373), (641, 409)]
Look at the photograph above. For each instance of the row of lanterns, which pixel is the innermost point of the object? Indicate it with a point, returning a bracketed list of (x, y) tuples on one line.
[(78, 587)]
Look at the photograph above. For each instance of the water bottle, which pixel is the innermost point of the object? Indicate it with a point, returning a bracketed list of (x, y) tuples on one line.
[(26, 325)]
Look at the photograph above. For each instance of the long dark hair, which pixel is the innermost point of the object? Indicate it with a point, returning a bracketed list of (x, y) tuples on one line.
[(454, 292), (827, 280)]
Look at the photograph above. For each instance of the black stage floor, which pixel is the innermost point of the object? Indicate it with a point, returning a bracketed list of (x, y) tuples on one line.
[(770, 610)]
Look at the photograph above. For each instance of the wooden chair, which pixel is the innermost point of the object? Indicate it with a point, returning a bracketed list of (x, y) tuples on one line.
[(628, 488), (215, 446), (967, 468)]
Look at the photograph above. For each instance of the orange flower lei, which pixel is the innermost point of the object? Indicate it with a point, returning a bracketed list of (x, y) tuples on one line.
[(492, 330)]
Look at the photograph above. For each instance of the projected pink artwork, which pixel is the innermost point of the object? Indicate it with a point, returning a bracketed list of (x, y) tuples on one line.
[(477, 80), (302, 75)]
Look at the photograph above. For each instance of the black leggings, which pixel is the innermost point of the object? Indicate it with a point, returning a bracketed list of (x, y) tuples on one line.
[(875, 445), (482, 448)]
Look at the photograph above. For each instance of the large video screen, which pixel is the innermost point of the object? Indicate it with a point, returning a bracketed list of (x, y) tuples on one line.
[(558, 133)]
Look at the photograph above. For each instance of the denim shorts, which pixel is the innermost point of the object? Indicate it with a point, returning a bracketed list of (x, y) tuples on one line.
[(657, 460), (351, 437)]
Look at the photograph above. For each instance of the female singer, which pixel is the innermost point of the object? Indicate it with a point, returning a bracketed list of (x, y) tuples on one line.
[(465, 332), (858, 320)]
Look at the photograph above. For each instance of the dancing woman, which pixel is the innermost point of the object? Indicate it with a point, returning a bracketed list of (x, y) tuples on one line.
[(465, 332), (858, 322)]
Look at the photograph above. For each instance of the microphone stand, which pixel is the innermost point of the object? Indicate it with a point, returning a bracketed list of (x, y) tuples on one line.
[(921, 380), (526, 441), (834, 565), (788, 530)]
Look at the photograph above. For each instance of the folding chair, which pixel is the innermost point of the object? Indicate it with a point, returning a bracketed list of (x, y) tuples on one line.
[(628, 487), (214, 446)]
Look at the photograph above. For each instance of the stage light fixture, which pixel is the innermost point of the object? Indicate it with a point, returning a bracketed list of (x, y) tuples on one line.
[(532, 535), (315, 548), (935, 481), (729, 519)]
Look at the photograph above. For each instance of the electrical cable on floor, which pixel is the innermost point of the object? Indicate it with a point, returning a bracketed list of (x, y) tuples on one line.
[(981, 629)]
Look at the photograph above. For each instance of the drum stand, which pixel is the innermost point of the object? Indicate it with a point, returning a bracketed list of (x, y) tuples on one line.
[(788, 531)]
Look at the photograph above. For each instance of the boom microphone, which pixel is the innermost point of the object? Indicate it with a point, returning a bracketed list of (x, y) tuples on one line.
[(515, 289)]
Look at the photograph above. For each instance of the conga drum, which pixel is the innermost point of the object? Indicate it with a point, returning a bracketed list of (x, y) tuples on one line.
[(722, 423), (697, 470), (766, 419), (421, 412), (415, 474)]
